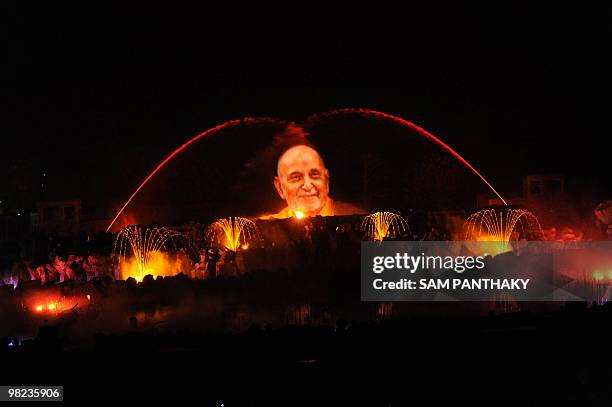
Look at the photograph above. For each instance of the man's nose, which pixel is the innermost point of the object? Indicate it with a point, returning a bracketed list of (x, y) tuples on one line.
[(307, 184)]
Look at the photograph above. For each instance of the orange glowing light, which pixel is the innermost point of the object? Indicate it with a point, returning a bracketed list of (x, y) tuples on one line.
[(380, 225), (233, 232), (52, 304), (299, 214), (500, 225), (146, 245), (88, 297), (245, 246)]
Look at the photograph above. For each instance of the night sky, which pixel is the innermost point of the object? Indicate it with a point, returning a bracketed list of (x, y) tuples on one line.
[(95, 96)]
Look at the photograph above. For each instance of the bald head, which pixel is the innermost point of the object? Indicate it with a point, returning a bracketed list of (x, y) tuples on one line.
[(302, 180), (307, 155)]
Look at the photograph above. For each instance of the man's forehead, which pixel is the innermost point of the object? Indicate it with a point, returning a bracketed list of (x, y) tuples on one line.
[(300, 155)]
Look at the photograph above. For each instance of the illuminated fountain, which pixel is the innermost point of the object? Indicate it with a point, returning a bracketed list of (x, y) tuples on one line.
[(234, 233), (380, 225), (146, 245), (497, 227), (358, 112)]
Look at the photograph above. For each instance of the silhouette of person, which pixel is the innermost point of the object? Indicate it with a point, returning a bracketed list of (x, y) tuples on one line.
[(212, 257)]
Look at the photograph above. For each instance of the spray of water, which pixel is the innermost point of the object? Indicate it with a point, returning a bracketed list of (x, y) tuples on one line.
[(234, 233), (380, 225), (146, 245)]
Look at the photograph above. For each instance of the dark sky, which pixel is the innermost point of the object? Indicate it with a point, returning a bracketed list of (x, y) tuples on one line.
[(95, 95)]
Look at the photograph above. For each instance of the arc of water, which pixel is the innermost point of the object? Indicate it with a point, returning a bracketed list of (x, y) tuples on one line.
[(427, 134), (175, 153), (363, 111)]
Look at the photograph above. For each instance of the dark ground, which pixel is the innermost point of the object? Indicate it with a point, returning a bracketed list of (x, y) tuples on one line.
[(516, 359)]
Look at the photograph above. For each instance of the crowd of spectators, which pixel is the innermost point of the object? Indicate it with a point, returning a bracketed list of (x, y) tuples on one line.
[(59, 269)]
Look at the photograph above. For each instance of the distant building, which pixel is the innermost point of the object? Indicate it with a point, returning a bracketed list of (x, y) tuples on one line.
[(95, 219), (538, 191), (545, 196), (61, 217), (543, 187)]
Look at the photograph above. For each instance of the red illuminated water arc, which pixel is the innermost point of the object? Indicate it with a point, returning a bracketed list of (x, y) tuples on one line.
[(426, 134), (170, 157), (363, 111)]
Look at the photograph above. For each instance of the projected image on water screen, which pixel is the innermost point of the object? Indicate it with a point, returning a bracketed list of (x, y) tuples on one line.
[(345, 162)]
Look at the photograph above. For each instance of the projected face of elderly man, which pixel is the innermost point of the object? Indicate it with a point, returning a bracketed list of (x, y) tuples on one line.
[(302, 180)]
